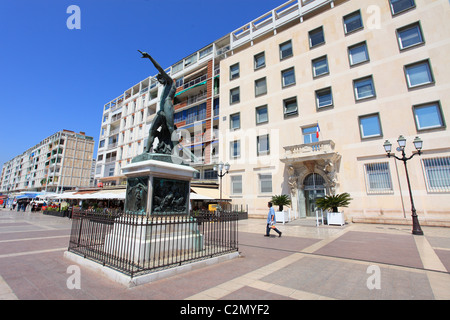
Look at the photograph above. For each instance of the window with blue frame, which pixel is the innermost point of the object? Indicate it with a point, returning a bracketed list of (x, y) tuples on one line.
[(216, 107), (428, 116), (398, 6), (179, 116), (370, 126), (310, 135), (196, 113)]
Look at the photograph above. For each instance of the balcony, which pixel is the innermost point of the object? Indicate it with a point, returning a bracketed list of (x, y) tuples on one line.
[(112, 145), (309, 151), (116, 117)]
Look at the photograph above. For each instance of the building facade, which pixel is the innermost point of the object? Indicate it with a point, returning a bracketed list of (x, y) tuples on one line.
[(60, 162), (310, 92), (300, 101)]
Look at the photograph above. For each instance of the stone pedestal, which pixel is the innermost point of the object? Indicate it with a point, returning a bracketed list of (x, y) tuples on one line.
[(156, 187)]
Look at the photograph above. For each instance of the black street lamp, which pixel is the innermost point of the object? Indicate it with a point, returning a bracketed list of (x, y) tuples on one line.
[(418, 143), (220, 168)]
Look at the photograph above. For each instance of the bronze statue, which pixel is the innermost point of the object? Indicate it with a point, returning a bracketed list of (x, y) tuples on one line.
[(165, 116)]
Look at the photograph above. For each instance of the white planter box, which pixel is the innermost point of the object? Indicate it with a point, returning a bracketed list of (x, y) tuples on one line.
[(283, 216), (335, 218)]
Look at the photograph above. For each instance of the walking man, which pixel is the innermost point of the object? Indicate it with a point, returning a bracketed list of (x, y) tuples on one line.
[(271, 221)]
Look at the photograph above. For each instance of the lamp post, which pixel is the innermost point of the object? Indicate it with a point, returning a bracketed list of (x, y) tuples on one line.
[(220, 168), (418, 143)]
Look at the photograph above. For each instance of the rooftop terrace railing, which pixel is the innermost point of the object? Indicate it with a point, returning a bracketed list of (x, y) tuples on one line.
[(287, 12)]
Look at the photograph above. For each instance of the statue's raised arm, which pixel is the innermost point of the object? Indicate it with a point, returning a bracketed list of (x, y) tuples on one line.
[(156, 64)]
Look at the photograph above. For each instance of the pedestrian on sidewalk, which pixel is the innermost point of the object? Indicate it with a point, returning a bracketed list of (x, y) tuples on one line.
[(271, 221)]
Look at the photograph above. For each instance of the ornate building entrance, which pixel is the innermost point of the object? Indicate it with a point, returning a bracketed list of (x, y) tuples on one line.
[(312, 173)]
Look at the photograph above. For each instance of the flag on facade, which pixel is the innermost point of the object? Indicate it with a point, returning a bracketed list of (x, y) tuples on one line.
[(317, 131)]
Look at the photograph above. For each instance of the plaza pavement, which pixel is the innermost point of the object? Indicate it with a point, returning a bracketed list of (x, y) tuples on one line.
[(351, 262)]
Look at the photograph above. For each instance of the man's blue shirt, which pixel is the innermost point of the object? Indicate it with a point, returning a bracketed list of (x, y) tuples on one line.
[(271, 213)]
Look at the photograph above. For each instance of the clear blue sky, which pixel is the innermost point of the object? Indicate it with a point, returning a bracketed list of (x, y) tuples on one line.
[(53, 78)]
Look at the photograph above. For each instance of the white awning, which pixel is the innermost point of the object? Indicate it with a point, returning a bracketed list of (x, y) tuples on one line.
[(107, 195), (195, 196), (208, 193)]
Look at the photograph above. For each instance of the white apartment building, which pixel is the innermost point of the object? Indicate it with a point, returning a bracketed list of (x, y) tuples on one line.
[(60, 162), (362, 72)]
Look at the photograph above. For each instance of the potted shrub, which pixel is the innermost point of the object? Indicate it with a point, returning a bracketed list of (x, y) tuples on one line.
[(334, 202), (281, 200), (331, 204)]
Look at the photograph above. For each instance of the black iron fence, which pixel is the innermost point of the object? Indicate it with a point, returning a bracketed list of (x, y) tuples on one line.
[(136, 245)]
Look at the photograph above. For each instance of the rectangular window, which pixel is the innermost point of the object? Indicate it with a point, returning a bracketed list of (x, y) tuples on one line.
[(353, 22), (398, 6), (234, 95), (265, 183), (179, 116), (370, 126), (193, 114), (316, 37), (428, 116), (234, 71), (177, 67), (210, 175), (418, 74), (201, 112), (286, 50), (290, 106), (236, 184), (410, 36), (216, 108), (310, 135), (190, 60), (235, 121), (260, 87), (378, 178), (179, 82), (364, 88), (437, 174), (324, 98), (235, 149), (320, 66), (262, 115), (287, 77), (358, 54), (263, 147), (260, 61)]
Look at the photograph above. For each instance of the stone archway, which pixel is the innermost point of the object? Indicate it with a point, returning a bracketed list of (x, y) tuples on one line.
[(298, 170)]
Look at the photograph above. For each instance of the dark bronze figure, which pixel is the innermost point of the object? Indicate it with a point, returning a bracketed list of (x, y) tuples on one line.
[(164, 119)]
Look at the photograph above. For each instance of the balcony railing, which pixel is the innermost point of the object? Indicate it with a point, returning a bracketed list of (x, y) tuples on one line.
[(289, 11), (195, 81), (308, 150)]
